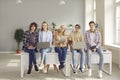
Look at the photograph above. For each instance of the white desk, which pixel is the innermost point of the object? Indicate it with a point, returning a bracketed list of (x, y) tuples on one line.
[(94, 60), (52, 58)]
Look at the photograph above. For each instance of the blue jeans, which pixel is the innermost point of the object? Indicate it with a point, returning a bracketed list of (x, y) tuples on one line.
[(32, 56), (43, 52), (82, 58), (100, 53), (62, 51)]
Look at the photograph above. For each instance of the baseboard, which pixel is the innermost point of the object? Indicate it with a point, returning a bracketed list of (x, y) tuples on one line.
[(8, 52)]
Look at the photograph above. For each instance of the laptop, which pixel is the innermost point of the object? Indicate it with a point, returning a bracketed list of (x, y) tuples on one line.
[(78, 45), (41, 45)]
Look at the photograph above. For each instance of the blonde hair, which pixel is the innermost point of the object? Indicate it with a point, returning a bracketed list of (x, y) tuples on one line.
[(58, 35), (64, 32)]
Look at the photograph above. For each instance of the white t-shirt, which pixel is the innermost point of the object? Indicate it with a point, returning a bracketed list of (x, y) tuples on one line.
[(44, 36), (92, 37)]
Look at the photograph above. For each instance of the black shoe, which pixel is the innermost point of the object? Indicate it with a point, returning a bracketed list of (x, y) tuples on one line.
[(29, 70), (61, 67), (36, 68), (74, 71), (82, 70)]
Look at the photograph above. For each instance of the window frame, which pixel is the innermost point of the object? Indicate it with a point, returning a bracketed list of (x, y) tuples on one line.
[(94, 11), (117, 4), (117, 1)]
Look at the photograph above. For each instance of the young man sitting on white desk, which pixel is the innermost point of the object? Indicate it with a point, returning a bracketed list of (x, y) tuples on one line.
[(93, 44), (76, 36)]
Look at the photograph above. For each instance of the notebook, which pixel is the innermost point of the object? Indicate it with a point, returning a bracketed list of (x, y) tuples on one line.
[(78, 45), (43, 45)]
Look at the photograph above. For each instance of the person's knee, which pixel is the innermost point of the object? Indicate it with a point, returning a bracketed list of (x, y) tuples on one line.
[(57, 49), (82, 53), (41, 51), (73, 51), (100, 52), (50, 49), (60, 51), (89, 53), (101, 55)]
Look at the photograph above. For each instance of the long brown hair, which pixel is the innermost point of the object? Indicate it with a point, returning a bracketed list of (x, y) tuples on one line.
[(44, 22), (33, 24)]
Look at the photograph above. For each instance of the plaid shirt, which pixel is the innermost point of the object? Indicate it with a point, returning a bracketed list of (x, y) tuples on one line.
[(88, 39), (27, 39)]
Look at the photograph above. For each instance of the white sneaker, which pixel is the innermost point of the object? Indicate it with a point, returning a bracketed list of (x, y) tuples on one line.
[(89, 72), (41, 66), (45, 70), (100, 74)]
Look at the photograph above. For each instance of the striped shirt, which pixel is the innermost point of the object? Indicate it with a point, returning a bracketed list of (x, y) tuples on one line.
[(97, 39)]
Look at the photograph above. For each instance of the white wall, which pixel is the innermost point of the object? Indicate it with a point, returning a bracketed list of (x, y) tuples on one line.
[(115, 53), (14, 16)]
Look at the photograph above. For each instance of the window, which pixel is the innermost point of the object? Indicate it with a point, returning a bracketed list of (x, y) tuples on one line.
[(117, 0), (117, 22), (90, 12), (94, 11), (117, 25)]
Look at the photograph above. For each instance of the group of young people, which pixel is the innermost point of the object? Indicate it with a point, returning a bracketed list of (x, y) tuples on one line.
[(60, 41)]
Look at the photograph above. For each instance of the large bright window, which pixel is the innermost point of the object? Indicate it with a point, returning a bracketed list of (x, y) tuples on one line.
[(117, 19), (90, 12), (117, 0), (94, 10)]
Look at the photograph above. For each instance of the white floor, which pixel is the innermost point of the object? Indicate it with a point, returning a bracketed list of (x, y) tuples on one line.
[(10, 70)]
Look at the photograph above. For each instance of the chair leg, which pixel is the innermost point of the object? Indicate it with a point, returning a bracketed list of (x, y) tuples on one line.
[(55, 68), (86, 67), (77, 66), (41, 71), (71, 67), (47, 66)]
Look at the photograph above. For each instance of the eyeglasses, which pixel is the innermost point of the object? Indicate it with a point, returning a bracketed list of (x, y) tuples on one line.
[(77, 27)]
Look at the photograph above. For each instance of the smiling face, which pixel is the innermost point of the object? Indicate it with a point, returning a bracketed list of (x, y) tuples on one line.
[(33, 28), (77, 28), (92, 26), (45, 26)]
